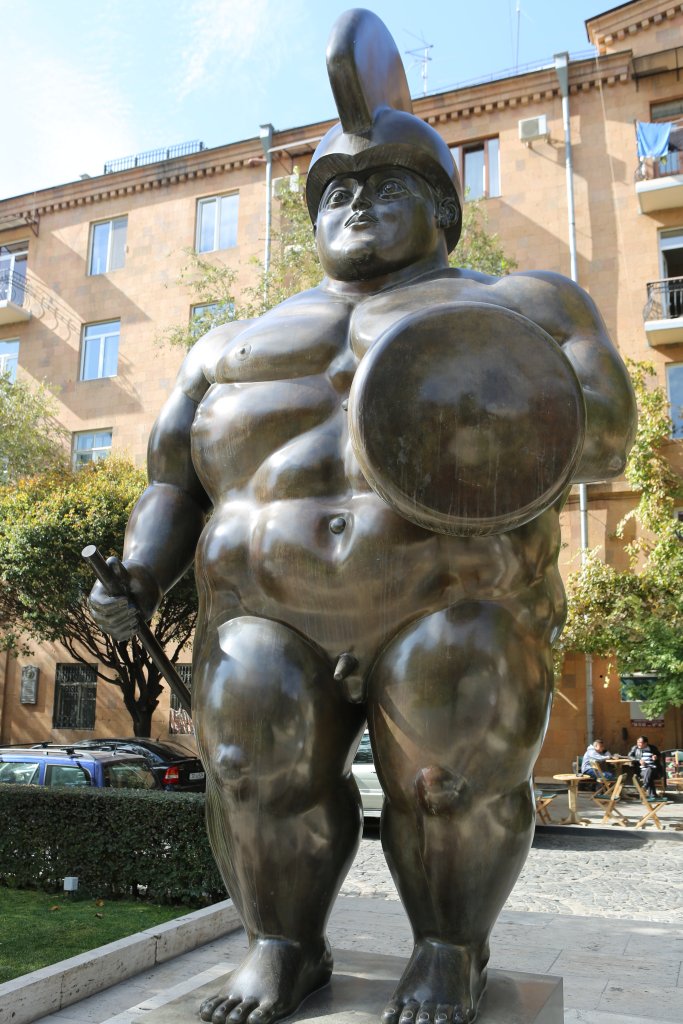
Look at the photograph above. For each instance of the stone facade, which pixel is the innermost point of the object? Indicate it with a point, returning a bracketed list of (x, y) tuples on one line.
[(618, 253)]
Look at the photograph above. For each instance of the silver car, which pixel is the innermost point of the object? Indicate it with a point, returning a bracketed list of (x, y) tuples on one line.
[(366, 777)]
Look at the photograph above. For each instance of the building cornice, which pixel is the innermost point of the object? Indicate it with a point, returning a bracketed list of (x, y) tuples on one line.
[(616, 26), (518, 91)]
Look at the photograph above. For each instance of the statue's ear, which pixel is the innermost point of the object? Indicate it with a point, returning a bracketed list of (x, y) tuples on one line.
[(447, 213)]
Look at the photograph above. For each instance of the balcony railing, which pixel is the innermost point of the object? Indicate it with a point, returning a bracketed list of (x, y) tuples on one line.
[(664, 299), (660, 167), (153, 156), (12, 287)]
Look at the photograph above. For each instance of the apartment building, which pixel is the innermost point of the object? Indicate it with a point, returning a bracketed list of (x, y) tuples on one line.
[(89, 271)]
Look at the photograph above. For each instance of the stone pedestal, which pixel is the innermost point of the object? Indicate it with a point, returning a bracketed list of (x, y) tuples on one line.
[(362, 984)]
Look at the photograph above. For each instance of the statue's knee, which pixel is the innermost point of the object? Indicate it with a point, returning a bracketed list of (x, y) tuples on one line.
[(440, 790)]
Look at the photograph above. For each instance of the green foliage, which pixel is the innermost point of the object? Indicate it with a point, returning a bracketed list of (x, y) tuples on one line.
[(45, 521), (117, 842), (478, 249), (31, 439), (636, 615), (294, 267)]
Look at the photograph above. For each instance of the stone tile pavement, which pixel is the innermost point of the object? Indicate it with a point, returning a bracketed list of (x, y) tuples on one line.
[(603, 909)]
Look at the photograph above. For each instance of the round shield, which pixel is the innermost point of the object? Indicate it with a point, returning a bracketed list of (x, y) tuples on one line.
[(467, 418)]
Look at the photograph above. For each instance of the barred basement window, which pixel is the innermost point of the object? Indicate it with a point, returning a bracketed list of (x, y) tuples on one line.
[(75, 697)]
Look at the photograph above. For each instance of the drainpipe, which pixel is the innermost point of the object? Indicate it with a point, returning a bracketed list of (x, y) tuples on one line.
[(562, 70), (266, 137)]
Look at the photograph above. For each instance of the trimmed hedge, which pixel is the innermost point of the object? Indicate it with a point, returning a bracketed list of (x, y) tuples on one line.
[(118, 843)]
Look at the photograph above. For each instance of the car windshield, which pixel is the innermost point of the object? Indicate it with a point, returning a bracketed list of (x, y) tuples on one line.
[(128, 775), (19, 773)]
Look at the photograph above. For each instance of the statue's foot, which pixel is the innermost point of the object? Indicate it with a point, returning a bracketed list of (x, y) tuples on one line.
[(270, 983), (442, 984)]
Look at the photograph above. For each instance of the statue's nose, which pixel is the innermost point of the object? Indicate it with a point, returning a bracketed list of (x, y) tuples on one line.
[(360, 200)]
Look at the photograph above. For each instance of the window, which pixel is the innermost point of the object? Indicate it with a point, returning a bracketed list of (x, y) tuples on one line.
[(671, 263), (90, 446), (108, 245), (128, 775), (9, 357), (100, 350), (75, 696), (674, 384), (13, 262), (67, 775), (479, 167), (19, 773), (217, 223)]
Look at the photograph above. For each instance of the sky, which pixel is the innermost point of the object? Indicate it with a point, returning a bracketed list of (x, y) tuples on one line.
[(86, 81)]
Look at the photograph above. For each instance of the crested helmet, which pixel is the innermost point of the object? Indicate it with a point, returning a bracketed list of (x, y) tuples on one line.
[(377, 126)]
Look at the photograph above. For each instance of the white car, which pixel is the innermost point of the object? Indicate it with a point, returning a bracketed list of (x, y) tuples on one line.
[(366, 777)]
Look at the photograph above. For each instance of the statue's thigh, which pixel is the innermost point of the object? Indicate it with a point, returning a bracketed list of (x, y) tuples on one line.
[(466, 690), (268, 712)]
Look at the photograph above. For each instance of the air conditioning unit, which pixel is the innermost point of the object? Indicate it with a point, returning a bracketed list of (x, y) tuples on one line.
[(531, 129)]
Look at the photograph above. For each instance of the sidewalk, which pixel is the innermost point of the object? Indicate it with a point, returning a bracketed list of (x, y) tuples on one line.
[(602, 909)]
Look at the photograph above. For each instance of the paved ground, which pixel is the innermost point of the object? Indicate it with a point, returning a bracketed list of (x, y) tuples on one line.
[(556, 922), (621, 875)]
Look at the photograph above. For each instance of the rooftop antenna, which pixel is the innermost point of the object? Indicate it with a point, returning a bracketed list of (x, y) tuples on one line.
[(421, 57), (518, 11)]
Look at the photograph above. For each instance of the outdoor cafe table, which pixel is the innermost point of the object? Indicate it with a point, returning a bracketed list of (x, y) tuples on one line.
[(572, 792), (621, 764)]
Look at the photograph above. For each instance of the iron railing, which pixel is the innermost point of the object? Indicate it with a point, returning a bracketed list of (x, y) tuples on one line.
[(664, 299), (12, 287), (153, 156), (659, 167)]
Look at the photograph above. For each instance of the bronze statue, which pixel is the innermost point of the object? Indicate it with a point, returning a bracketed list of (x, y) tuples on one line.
[(386, 456)]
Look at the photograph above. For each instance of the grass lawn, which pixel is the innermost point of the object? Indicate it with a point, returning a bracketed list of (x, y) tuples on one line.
[(39, 929)]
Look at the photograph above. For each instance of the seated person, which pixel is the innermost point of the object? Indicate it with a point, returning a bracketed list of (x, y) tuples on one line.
[(596, 752), (648, 760)]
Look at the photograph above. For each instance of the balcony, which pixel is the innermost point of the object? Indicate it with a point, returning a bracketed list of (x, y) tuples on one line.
[(13, 308), (663, 312), (659, 182)]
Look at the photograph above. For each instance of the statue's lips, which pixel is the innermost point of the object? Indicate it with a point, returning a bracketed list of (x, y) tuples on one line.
[(360, 220)]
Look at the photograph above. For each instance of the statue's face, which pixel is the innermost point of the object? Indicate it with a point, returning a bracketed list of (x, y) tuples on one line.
[(376, 223)]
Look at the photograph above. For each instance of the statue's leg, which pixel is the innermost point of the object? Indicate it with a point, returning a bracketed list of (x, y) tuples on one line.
[(283, 812), (458, 705)]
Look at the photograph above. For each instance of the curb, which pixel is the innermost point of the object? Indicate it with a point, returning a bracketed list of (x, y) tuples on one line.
[(52, 988), (588, 831)]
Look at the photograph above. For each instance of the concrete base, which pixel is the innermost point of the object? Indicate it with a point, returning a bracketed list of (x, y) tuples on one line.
[(363, 983)]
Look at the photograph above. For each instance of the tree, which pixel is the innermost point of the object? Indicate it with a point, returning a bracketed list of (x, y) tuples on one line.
[(31, 438), (634, 616), (45, 521), (294, 267)]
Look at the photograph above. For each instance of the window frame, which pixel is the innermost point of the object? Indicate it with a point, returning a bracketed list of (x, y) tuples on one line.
[(85, 691), (9, 359), (102, 337), (218, 200), (676, 417), (103, 449), (459, 151), (110, 243)]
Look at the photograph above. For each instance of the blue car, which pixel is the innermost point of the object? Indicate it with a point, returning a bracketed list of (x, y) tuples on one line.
[(72, 766)]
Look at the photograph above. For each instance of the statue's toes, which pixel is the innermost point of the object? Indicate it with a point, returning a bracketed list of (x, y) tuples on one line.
[(409, 1012), (241, 1012), (426, 1013), (443, 1014), (391, 1012)]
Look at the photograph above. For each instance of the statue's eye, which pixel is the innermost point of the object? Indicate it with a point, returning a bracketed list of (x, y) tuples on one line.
[(389, 189), (338, 197)]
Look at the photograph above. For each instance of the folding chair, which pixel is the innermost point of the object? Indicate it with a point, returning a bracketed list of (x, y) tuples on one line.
[(608, 801), (652, 808), (542, 802), (604, 784)]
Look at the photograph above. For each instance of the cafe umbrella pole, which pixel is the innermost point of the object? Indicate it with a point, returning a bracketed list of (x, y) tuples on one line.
[(114, 584)]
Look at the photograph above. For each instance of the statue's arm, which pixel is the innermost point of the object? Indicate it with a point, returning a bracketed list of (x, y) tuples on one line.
[(168, 518), (571, 317)]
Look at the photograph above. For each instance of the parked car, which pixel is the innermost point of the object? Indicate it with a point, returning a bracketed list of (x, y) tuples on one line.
[(73, 766), (366, 777), (176, 767)]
